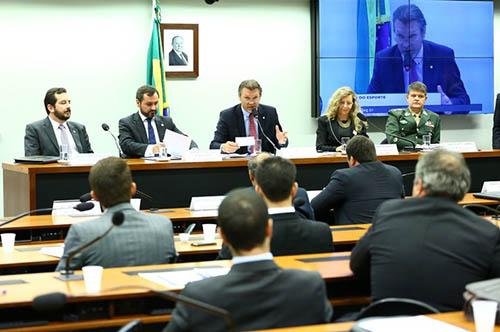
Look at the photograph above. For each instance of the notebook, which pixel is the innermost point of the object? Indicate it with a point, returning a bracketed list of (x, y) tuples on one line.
[(488, 195), (37, 159)]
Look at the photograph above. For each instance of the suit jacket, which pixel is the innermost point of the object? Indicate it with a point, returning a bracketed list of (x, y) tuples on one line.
[(40, 139), (355, 193), (329, 134), (439, 68), (258, 295), (293, 235), (304, 209), (132, 134), (427, 249), (400, 122), (231, 125), (496, 124), (175, 60), (142, 239)]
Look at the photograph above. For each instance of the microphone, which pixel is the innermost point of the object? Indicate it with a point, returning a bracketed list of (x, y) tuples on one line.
[(255, 114), (106, 128), (116, 220), (413, 148), (80, 207), (85, 197), (298, 202)]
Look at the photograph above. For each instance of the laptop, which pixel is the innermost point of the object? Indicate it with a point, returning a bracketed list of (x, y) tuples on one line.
[(37, 159), (488, 195)]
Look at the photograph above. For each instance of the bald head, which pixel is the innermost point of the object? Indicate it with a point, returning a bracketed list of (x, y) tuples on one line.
[(254, 163)]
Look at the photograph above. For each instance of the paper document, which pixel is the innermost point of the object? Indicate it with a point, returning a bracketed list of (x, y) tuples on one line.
[(65, 208), (179, 279), (245, 141), (203, 203), (407, 324), (177, 144), (56, 251)]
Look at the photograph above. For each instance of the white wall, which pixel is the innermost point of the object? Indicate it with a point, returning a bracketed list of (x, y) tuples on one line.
[(97, 50)]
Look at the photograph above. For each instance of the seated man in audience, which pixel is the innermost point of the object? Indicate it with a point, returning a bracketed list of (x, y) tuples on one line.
[(142, 134), (428, 247), (300, 201), (355, 193), (142, 238), (44, 137), (239, 121), (256, 292), (292, 234)]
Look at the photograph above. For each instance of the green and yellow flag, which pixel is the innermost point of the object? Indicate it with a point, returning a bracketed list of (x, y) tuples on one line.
[(155, 69)]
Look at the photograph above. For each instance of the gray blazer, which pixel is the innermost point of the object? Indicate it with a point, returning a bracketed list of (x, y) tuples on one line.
[(133, 138), (142, 239), (40, 139), (258, 295)]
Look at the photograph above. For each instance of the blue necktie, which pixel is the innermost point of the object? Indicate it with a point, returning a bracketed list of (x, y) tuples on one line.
[(151, 132)]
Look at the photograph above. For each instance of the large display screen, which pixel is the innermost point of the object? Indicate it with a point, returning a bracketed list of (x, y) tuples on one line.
[(378, 47)]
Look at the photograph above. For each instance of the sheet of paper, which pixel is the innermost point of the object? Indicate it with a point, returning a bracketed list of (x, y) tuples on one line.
[(204, 203), (407, 324), (179, 279), (245, 141), (386, 149), (65, 208), (312, 193), (177, 144), (56, 251)]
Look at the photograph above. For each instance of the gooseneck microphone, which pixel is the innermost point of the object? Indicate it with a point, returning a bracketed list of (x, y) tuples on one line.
[(116, 220), (106, 128), (80, 207), (413, 148), (255, 113)]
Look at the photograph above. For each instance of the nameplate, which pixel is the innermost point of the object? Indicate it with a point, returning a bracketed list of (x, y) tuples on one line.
[(383, 99), (490, 186), (205, 203), (459, 146), (325, 259), (386, 149), (134, 273), (12, 282), (194, 155), (298, 152)]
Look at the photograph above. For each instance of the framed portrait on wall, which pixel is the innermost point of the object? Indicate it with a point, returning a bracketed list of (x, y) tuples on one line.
[(180, 49)]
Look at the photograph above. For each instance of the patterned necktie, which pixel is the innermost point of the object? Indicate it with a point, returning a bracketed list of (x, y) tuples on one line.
[(252, 131), (151, 132), (64, 136), (413, 72)]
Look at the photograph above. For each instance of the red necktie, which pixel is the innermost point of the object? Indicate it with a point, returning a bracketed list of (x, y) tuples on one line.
[(413, 72), (252, 131)]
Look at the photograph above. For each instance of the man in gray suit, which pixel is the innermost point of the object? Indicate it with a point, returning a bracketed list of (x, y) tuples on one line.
[(45, 136), (257, 293), (141, 134), (142, 238)]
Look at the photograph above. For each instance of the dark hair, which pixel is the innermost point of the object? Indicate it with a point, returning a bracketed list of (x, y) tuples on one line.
[(361, 148), (407, 13), (110, 179), (275, 176), (417, 86), (145, 90), (243, 218), (50, 97), (250, 85), (443, 173)]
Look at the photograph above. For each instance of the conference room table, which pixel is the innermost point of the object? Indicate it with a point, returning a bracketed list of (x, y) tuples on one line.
[(125, 295), (173, 183)]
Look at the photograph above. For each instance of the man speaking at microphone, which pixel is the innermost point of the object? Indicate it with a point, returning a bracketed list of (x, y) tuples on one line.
[(141, 134), (142, 239), (249, 118)]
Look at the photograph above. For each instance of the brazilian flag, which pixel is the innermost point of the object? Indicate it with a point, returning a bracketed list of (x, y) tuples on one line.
[(155, 69)]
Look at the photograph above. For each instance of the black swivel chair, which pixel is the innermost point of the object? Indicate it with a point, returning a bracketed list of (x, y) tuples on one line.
[(396, 307)]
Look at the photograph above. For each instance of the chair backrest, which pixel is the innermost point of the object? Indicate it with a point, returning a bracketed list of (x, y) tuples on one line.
[(384, 141), (133, 326), (396, 307), (481, 209)]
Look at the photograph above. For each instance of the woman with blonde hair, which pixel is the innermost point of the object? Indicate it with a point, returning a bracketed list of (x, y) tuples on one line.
[(339, 121)]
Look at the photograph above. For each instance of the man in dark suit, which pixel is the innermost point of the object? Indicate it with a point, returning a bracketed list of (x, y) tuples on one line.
[(416, 59), (300, 201), (241, 121), (355, 193), (256, 292), (141, 134), (142, 239), (177, 57), (292, 234), (428, 247), (44, 137)]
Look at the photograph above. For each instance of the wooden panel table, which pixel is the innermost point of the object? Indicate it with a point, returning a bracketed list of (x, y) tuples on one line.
[(172, 184), (125, 295)]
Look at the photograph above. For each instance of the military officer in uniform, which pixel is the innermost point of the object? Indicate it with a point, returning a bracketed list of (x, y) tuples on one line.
[(413, 122)]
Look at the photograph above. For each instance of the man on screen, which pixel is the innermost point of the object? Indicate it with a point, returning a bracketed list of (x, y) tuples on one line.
[(415, 59)]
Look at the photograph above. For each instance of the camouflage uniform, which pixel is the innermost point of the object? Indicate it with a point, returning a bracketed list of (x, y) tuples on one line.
[(401, 122)]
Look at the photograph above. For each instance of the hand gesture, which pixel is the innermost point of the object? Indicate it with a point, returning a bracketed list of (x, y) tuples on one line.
[(444, 98), (281, 136)]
